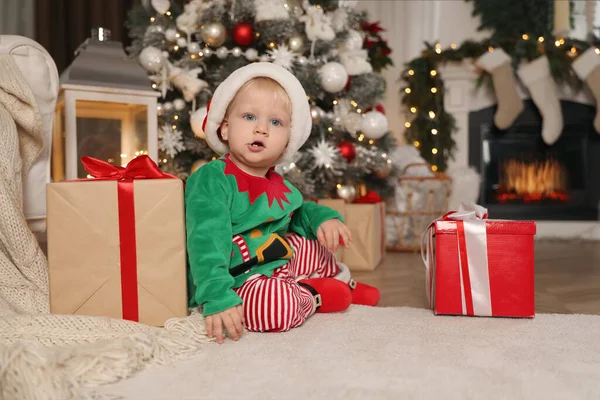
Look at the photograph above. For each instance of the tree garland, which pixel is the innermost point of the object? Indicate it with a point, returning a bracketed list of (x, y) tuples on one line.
[(430, 127)]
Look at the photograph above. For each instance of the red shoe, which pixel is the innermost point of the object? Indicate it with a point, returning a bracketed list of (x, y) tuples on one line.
[(331, 295), (364, 294)]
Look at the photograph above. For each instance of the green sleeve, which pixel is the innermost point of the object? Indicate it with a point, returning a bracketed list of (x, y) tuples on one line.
[(307, 219), (209, 245)]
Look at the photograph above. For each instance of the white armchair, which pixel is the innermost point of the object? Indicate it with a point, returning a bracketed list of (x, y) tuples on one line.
[(39, 70)]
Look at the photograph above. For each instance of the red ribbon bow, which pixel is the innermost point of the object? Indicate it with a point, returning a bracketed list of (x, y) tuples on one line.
[(141, 167), (371, 197)]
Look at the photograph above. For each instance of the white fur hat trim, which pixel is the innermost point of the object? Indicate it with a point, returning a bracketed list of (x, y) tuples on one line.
[(225, 92)]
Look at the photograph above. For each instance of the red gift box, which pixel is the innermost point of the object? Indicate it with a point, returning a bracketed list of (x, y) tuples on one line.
[(482, 267)]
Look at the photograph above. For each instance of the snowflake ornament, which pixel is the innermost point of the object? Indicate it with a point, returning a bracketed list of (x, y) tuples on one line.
[(325, 156), (282, 56), (170, 140)]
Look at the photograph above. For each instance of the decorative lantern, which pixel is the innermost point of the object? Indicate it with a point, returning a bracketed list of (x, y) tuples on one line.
[(106, 109)]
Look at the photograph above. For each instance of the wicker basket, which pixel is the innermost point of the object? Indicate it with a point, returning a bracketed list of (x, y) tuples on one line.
[(410, 224)]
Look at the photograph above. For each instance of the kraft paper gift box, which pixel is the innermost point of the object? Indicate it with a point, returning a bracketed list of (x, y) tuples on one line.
[(116, 245), (480, 267), (366, 223)]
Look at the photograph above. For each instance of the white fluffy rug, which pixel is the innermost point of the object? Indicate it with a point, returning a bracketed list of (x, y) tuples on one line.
[(391, 353)]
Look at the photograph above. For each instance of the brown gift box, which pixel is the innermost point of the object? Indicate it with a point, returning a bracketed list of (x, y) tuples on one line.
[(84, 249), (366, 223)]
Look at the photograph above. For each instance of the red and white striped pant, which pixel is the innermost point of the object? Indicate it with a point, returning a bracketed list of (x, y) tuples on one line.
[(278, 303)]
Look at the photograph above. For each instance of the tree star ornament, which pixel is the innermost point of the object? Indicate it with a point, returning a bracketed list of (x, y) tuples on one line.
[(325, 156), (282, 56), (170, 140)]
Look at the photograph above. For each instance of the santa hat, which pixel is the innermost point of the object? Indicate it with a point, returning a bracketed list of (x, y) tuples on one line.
[(225, 92)]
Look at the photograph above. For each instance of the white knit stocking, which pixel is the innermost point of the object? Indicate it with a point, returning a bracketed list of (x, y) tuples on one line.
[(587, 67), (536, 76)]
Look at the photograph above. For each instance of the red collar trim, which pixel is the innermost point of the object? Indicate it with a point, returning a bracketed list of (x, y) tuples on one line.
[(273, 185)]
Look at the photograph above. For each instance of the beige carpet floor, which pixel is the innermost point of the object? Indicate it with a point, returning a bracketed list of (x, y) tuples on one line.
[(391, 353)]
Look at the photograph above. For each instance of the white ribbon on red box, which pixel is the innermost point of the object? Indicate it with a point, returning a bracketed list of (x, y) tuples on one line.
[(471, 239)]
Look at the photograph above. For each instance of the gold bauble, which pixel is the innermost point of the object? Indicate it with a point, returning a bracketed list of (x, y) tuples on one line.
[(296, 44), (197, 164), (384, 171), (315, 114), (347, 193), (213, 34)]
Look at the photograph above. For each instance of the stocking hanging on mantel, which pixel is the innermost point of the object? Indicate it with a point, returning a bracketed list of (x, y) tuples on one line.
[(538, 79), (510, 105), (587, 68)]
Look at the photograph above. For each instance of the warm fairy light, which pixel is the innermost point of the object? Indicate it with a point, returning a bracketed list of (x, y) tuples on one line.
[(272, 44), (433, 90), (123, 155), (416, 143), (308, 97), (490, 49), (434, 151), (257, 34), (407, 90), (335, 102), (389, 161), (413, 110), (453, 46), (383, 155), (541, 39), (164, 160), (411, 72), (154, 86), (431, 114), (439, 51), (434, 168), (433, 72), (354, 104), (371, 141), (176, 48), (358, 110), (151, 19), (525, 36), (557, 43), (178, 34), (330, 129), (407, 124), (111, 160), (168, 13), (573, 50), (597, 50), (192, 56), (339, 186), (361, 137), (214, 158), (434, 131), (561, 40), (174, 127), (176, 117)]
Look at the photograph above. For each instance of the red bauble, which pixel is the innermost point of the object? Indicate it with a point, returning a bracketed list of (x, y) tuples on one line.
[(243, 34), (347, 150)]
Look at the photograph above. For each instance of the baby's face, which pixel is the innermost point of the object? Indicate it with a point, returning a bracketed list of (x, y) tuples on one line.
[(257, 128)]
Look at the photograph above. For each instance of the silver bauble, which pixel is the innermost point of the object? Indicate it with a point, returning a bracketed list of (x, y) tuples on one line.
[(384, 171), (296, 44), (181, 42), (251, 54), (179, 104), (236, 52), (168, 106), (302, 60), (347, 193), (171, 35), (222, 53), (207, 51), (193, 47), (316, 113), (214, 34), (374, 125), (151, 59)]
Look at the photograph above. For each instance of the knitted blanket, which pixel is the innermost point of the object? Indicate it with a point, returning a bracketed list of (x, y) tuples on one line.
[(46, 356)]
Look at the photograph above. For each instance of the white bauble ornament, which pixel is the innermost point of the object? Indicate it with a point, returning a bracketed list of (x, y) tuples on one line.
[(222, 53), (167, 106), (251, 54), (207, 52), (171, 35), (193, 47), (179, 104), (333, 77), (236, 52), (152, 59), (181, 42), (196, 120), (161, 6), (374, 125), (214, 34)]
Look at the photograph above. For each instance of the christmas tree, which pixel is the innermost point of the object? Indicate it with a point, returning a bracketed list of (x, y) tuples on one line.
[(328, 45)]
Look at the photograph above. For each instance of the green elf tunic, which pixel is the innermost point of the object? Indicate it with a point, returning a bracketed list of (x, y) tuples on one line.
[(223, 201)]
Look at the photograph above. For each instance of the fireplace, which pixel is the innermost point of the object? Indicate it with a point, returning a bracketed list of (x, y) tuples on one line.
[(523, 178)]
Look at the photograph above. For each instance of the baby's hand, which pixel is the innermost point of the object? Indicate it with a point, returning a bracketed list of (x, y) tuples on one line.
[(232, 318), (330, 232)]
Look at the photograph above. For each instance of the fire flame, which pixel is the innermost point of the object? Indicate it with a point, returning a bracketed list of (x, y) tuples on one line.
[(532, 181)]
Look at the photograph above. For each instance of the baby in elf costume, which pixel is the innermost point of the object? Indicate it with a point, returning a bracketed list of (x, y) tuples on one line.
[(260, 256)]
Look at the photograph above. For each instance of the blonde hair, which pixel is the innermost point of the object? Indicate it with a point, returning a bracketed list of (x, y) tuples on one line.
[(267, 84)]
